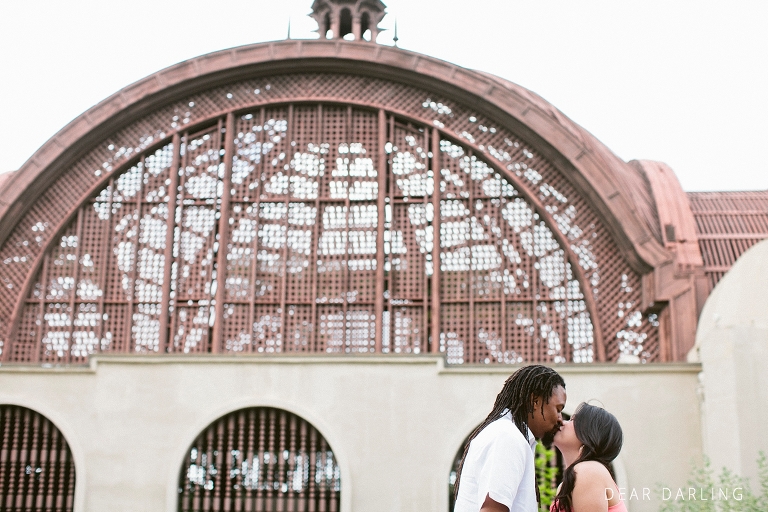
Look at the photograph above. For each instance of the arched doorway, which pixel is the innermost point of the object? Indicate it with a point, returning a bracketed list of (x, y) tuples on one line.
[(259, 459), (37, 471)]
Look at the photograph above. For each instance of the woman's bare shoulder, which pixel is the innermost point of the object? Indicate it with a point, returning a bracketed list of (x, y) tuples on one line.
[(593, 483), (591, 469)]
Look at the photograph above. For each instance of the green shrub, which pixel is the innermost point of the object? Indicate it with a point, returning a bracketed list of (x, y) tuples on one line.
[(546, 475), (703, 479)]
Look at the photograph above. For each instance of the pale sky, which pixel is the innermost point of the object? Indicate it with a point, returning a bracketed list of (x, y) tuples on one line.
[(680, 81)]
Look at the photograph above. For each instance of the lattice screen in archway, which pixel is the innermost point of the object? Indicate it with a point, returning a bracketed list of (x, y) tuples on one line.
[(37, 471), (259, 458), (326, 243), (314, 249)]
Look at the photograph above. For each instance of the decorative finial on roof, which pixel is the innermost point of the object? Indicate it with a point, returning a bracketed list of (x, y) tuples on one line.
[(356, 20), (395, 39)]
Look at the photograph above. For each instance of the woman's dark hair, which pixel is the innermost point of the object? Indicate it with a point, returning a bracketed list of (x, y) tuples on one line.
[(600, 433), (517, 395)]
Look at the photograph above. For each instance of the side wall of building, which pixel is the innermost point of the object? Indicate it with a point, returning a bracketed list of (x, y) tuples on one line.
[(394, 424), (732, 343)]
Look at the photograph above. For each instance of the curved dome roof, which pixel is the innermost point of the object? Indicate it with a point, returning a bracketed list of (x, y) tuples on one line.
[(619, 191), (594, 208)]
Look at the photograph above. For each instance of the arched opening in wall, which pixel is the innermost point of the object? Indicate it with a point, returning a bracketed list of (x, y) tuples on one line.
[(345, 24), (37, 471), (327, 26), (365, 26), (259, 459), (549, 469)]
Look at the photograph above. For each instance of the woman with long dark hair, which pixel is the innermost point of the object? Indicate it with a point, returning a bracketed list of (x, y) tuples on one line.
[(589, 442)]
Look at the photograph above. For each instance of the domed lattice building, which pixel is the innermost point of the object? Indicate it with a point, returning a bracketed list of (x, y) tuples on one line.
[(293, 275)]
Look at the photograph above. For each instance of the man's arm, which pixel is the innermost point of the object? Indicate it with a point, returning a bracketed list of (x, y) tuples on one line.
[(490, 505)]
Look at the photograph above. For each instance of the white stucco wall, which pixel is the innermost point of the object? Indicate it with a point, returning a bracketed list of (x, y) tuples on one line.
[(394, 423), (732, 344)]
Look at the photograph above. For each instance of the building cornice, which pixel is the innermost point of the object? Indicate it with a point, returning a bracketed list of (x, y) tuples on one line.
[(438, 361)]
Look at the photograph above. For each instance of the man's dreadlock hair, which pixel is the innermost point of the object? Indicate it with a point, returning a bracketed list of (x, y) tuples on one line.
[(517, 395)]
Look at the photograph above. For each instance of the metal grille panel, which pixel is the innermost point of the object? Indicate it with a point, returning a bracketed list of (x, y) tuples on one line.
[(37, 472), (260, 459)]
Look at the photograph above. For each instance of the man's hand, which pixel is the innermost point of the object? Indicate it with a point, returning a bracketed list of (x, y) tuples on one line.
[(490, 505)]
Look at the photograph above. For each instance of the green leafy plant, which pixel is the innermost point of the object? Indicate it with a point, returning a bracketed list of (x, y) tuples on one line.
[(710, 488), (762, 476), (546, 475)]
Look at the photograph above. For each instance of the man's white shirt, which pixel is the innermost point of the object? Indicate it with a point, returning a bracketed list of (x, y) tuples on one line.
[(499, 464)]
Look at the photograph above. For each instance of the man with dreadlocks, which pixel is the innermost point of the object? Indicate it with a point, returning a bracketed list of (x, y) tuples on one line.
[(497, 472)]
